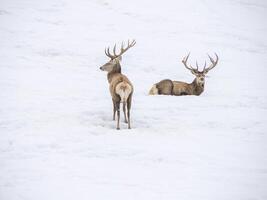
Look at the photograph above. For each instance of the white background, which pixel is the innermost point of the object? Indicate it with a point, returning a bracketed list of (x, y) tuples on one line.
[(57, 137)]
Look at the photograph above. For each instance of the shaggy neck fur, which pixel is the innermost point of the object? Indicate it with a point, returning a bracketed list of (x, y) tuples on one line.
[(116, 69), (198, 88)]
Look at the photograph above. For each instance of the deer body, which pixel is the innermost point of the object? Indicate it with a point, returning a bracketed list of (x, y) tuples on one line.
[(176, 88), (120, 87), (179, 88), (121, 90)]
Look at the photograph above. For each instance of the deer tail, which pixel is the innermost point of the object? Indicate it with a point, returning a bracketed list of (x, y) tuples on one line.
[(154, 90)]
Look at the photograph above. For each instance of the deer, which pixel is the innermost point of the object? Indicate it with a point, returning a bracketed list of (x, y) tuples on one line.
[(179, 88), (120, 87)]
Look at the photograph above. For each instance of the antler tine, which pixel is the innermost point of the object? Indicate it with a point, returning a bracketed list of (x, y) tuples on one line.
[(114, 50), (129, 45), (185, 58), (213, 63), (107, 52), (204, 66), (189, 67), (211, 59), (217, 57), (109, 55), (184, 61), (197, 65), (133, 43)]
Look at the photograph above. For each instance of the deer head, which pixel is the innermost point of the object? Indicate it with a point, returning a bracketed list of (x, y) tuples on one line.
[(115, 59), (200, 75)]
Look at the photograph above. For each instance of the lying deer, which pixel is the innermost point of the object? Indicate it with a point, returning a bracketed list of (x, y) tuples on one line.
[(178, 88), (121, 89)]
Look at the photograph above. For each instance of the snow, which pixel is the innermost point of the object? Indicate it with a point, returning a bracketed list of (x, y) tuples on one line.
[(58, 140)]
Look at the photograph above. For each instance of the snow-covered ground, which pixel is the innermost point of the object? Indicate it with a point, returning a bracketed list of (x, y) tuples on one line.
[(57, 137)]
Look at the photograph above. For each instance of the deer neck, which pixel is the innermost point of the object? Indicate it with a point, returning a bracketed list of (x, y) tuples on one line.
[(197, 88), (116, 70)]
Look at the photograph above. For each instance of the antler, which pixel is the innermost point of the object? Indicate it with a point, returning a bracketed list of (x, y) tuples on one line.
[(184, 61), (212, 65), (205, 70), (122, 50)]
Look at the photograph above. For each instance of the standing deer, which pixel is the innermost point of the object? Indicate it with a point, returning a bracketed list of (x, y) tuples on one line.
[(178, 88), (121, 89)]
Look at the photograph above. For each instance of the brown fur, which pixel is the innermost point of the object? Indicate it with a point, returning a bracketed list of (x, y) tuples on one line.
[(178, 88), (114, 78), (182, 88)]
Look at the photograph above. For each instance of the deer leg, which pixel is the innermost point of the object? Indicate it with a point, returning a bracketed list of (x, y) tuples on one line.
[(129, 102), (118, 114), (114, 109), (124, 111)]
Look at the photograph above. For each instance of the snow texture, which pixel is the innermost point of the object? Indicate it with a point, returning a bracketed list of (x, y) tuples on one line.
[(57, 137)]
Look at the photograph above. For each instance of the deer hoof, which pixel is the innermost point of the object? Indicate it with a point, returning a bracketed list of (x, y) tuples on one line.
[(118, 128)]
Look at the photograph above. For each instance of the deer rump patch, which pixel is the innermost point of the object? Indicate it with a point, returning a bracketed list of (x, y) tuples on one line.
[(123, 89)]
